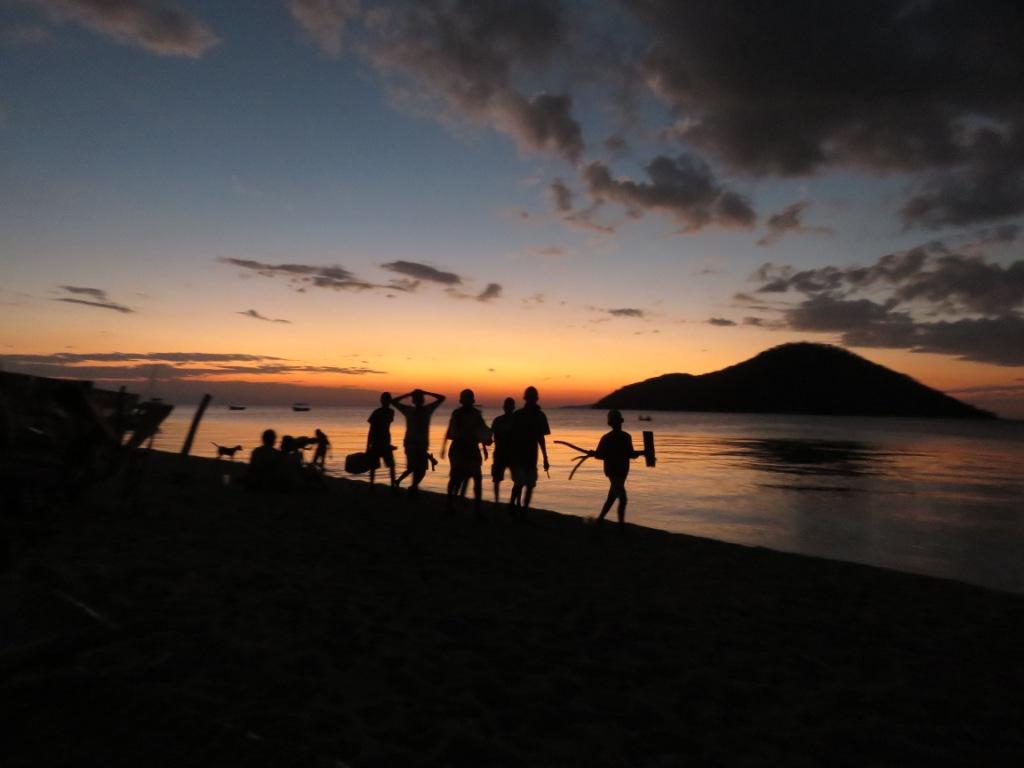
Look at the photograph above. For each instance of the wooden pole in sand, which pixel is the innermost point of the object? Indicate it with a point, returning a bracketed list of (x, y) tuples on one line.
[(195, 425)]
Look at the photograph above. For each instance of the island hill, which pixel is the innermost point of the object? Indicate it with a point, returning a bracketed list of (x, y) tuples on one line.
[(795, 378)]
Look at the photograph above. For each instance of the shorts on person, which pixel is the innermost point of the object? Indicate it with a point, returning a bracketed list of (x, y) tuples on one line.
[(417, 457), (498, 467), (381, 453), (465, 461), (525, 475)]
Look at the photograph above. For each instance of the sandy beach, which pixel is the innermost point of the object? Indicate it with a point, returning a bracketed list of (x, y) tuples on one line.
[(341, 627)]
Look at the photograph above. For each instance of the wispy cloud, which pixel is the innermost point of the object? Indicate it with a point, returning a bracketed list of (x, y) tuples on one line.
[(96, 298), (160, 29), (166, 366), (789, 220), (325, 21), (301, 276), (418, 271), (257, 316)]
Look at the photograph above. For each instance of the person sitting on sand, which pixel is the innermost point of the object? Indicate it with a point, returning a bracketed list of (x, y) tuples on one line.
[(265, 470), (501, 429), (378, 439), (467, 430), (529, 426), (417, 434), (320, 454), (616, 450)]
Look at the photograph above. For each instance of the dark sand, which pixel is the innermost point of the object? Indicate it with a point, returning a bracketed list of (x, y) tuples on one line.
[(339, 628)]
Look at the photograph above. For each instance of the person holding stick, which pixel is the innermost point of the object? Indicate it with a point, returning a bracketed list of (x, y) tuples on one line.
[(616, 450)]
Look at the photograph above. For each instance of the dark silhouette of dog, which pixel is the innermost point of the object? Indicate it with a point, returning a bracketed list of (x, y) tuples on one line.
[(223, 450)]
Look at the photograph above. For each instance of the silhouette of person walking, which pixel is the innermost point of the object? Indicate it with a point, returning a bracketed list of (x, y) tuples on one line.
[(417, 433), (501, 431), (616, 450), (378, 439), (320, 454), (467, 430), (529, 426)]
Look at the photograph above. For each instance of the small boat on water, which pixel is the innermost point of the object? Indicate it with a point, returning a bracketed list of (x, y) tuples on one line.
[(233, 407), (300, 407)]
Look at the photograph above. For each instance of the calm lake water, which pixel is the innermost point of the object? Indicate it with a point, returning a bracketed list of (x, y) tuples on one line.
[(944, 498)]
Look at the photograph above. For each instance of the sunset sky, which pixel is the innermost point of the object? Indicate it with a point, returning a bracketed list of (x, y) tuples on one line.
[(380, 195)]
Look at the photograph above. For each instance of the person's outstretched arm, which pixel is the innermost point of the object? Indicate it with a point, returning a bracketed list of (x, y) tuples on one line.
[(401, 397), (439, 398)]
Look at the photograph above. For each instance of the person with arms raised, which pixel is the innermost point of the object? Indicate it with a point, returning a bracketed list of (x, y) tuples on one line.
[(417, 433)]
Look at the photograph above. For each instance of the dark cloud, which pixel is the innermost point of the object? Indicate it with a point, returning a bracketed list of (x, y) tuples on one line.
[(685, 188), (626, 312), (466, 52), (257, 316), (788, 86), (931, 274), (898, 301), (988, 185), (864, 323), (325, 21), (96, 298), (160, 29), (754, 321), (419, 271), (721, 321), (789, 220)]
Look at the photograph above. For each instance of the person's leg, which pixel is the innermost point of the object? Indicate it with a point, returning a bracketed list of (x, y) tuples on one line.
[(622, 502), (419, 471), (478, 490), (453, 488), (527, 496), (612, 493)]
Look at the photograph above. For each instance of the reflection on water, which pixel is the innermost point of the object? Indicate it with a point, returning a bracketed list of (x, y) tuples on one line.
[(805, 457), (937, 497)]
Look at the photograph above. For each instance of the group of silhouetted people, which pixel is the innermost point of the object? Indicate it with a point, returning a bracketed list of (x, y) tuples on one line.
[(517, 439), (277, 467)]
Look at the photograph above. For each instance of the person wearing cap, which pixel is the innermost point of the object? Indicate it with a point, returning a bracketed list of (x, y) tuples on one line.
[(529, 427), (616, 450), (467, 431)]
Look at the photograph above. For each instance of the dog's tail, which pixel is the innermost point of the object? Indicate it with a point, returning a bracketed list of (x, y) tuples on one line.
[(216, 444)]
